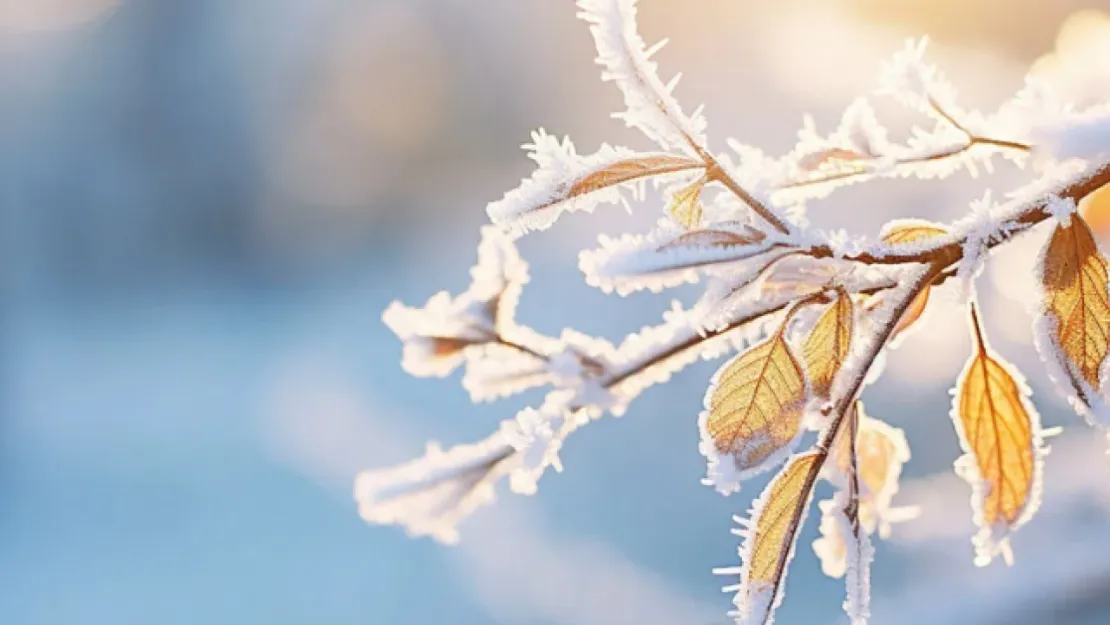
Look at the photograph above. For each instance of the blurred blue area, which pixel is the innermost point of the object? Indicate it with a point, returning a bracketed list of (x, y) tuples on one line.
[(205, 204)]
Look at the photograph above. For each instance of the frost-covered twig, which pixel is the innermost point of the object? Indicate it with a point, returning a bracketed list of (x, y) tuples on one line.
[(810, 314)]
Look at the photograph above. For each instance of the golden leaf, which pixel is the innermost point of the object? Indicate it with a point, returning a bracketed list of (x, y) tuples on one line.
[(1074, 277), (771, 533), (754, 404), (685, 204), (881, 451), (1095, 209), (1000, 432), (628, 170), (902, 232), (913, 312), (827, 345)]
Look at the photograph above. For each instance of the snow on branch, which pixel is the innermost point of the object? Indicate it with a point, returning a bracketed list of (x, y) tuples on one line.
[(809, 313), (565, 181), (670, 256), (649, 103), (430, 495)]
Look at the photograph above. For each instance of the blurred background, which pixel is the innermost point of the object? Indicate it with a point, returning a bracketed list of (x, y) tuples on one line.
[(206, 205)]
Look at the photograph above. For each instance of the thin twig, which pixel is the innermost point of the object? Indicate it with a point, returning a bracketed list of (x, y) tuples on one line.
[(971, 141), (716, 173), (951, 252)]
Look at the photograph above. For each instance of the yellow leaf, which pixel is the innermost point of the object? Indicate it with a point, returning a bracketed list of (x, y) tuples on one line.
[(753, 408), (1095, 209), (827, 345), (881, 451), (1000, 433), (770, 535), (903, 232), (685, 204), (913, 312), (1074, 277), (628, 170)]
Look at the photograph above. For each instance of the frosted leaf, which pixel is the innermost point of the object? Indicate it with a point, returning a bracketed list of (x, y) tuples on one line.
[(448, 330), (538, 435), (1087, 402), (858, 140), (1071, 332), (827, 343), (649, 104), (565, 181), (881, 452), (685, 205), (427, 353), (769, 538), (753, 413), (498, 371), (670, 256), (1000, 433), (791, 277), (430, 495)]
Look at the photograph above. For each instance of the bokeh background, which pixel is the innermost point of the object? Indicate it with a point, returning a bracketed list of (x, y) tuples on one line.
[(206, 205)]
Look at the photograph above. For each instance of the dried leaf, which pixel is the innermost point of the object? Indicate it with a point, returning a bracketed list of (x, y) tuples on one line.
[(913, 312), (1074, 277), (685, 204), (715, 238), (628, 170), (828, 342), (770, 536), (904, 232), (754, 406), (881, 451), (1095, 209), (1000, 433)]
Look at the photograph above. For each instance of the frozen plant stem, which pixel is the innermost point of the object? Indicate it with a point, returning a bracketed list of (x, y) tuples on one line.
[(809, 314)]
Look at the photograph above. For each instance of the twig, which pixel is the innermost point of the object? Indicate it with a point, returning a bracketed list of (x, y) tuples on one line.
[(972, 140)]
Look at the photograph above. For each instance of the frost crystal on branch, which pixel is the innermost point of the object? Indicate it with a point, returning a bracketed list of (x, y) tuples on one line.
[(431, 494), (649, 103), (565, 181), (807, 315)]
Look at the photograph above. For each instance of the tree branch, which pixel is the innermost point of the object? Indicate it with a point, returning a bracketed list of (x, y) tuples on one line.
[(950, 253)]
